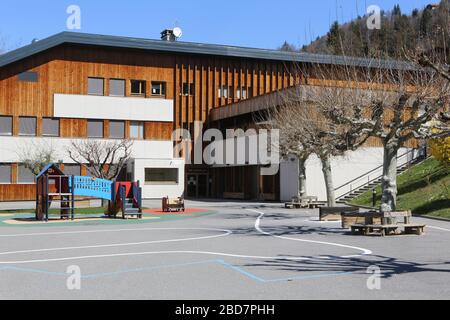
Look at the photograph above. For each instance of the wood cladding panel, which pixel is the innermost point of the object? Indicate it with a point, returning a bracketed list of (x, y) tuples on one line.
[(17, 192), (73, 128), (158, 131), (65, 70)]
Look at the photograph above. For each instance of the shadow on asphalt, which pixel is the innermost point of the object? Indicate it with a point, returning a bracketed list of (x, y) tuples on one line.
[(389, 266)]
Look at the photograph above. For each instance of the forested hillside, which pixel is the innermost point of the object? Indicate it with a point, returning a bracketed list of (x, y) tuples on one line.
[(422, 28)]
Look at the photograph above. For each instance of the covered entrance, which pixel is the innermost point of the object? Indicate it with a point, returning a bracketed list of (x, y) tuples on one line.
[(198, 183)]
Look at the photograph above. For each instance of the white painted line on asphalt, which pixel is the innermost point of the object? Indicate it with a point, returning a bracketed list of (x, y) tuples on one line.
[(154, 253), (438, 228), (225, 233), (258, 228), (103, 230)]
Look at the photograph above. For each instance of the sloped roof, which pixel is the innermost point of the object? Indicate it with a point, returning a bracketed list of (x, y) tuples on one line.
[(189, 48), (47, 167)]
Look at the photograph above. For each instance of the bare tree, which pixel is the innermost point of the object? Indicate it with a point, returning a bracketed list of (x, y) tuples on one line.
[(395, 104), (103, 159), (36, 157), (306, 128), (284, 119)]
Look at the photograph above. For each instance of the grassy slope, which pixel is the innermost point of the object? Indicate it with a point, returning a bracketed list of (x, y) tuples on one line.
[(424, 189)]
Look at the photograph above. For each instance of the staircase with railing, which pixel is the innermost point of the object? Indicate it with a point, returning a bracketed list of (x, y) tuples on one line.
[(369, 180)]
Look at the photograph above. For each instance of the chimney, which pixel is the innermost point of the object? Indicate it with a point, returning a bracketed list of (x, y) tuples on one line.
[(168, 35)]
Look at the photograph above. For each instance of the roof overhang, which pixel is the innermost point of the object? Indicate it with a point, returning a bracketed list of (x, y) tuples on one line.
[(190, 48)]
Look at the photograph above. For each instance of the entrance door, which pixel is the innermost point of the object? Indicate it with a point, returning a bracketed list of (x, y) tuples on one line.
[(192, 186), (197, 186)]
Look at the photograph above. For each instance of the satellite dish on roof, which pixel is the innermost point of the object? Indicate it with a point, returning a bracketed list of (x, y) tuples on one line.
[(177, 32)]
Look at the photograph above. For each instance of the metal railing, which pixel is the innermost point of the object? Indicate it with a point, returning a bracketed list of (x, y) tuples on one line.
[(375, 174)]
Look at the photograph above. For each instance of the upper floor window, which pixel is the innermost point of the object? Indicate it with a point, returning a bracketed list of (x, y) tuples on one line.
[(117, 88), (27, 126), (28, 76), (138, 88), (136, 130), (5, 126), (117, 129), (223, 92), (241, 93), (95, 129), (50, 127), (96, 86), (5, 173), (188, 89), (158, 88)]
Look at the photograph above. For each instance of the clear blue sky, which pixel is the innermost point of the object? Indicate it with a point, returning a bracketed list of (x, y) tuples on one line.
[(252, 23)]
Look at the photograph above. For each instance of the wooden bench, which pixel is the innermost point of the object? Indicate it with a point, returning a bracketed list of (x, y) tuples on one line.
[(417, 229), (335, 213), (310, 202), (171, 205), (367, 229), (387, 229)]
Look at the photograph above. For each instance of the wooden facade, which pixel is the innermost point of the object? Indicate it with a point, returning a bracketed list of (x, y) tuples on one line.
[(196, 83)]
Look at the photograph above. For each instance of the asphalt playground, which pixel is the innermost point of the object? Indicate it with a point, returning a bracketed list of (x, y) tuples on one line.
[(235, 250)]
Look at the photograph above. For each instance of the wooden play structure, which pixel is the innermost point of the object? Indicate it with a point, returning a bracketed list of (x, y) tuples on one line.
[(53, 186)]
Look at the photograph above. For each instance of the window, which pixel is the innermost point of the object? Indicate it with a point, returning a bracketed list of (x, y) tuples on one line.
[(161, 175), (96, 86), (28, 76), (25, 175), (5, 126), (72, 170), (27, 126), (5, 173), (230, 92), (136, 130), (117, 88), (117, 129), (95, 129), (188, 89), (158, 88), (223, 92), (138, 88), (241, 93), (50, 127)]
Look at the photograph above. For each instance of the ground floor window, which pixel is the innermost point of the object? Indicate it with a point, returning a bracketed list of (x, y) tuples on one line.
[(5, 173), (161, 176), (25, 175), (72, 169)]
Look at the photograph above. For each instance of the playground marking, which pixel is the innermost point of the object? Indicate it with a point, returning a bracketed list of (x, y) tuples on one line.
[(222, 254), (59, 221), (438, 228), (258, 228), (225, 233)]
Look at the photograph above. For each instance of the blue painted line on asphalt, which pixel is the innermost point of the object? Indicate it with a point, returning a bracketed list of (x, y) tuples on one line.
[(219, 262), (316, 276), (34, 271), (246, 273), (108, 274)]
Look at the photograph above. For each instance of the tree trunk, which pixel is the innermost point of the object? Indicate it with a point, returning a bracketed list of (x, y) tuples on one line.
[(302, 177), (389, 180), (327, 174)]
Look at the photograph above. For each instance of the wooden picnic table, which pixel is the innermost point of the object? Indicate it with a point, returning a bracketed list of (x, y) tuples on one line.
[(388, 225)]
